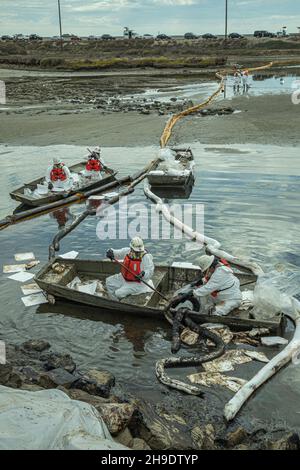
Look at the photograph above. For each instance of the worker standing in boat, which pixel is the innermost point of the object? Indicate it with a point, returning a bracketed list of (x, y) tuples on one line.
[(95, 165), (137, 265), (59, 176), (220, 287)]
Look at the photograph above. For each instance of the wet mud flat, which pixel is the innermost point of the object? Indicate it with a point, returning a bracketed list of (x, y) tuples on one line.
[(133, 110)]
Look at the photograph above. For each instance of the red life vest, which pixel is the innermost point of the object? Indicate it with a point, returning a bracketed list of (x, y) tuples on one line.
[(93, 165), (133, 265), (58, 174), (223, 262)]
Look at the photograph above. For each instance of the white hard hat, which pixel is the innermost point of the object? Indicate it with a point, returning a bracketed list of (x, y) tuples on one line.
[(137, 244), (56, 161), (205, 262)]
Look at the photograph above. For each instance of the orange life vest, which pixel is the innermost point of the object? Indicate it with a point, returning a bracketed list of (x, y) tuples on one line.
[(58, 174), (223, 262), (134, 265), (93, 165)]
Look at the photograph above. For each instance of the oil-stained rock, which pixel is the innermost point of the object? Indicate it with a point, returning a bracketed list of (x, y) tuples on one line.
[(92, 387), (289, 442), (57, 361), (125, 438), (162, 431), (55, 378), (76, 394), (117, 416), (38, 345), (140, 444), (102, 377), (236, 437), (5, 371)]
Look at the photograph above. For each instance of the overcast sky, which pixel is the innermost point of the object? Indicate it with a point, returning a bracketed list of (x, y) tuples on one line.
[(96, 17)]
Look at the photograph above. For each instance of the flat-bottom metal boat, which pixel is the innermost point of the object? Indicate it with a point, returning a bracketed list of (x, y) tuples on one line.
[(57, 275)]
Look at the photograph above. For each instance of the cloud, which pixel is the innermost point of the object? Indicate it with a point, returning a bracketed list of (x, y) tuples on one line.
[(177, 2), (109, 5)]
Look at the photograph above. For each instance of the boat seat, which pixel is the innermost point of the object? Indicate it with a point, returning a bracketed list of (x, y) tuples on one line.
[(144, 299)]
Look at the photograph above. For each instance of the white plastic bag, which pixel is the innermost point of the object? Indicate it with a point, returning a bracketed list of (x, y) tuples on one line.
[(272, 295), (50, 420)]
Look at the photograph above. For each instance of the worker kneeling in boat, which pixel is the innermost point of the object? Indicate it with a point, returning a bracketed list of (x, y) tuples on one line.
[(59, 176), (220, 286), (137, 266)]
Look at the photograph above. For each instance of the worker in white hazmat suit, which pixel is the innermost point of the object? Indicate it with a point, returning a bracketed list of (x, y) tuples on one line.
[(245, 77), (220, 286), (95, 165), (140, 266), (59, 176)]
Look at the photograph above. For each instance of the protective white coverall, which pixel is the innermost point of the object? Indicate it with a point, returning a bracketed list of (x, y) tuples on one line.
[(237, 79), (94, 175), (60, 185), (229, 296), (245, 79), (116, 285)]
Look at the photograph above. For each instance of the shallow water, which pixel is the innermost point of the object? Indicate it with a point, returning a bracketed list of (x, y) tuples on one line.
[(251, 197), (259, 84)]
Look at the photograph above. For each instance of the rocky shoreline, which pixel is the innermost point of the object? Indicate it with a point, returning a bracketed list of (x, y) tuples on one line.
[(135, 423)]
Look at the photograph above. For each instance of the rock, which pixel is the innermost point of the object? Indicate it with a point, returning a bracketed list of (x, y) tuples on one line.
[(140, 444), (31, 375), (161, 431), (5, 371), (161, 112), (173, 99), (102, 377), (289, 442), (198, 436), (125, 438), (241, 447), (55, 378), (96, 382), (145, 111), (80, 395), (236, 437), (91, 386), (16, 379), (38, 345), (117, 416), (57, 361), (209, 437)]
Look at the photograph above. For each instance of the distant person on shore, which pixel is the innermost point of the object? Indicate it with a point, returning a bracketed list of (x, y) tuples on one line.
[(245, 79), (59, 176), (237, 80), (95, 165)]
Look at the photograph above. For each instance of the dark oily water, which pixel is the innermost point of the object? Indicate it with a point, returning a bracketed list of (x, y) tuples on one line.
[(251, 198)]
